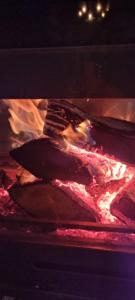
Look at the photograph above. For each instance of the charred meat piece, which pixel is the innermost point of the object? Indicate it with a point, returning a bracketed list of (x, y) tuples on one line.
[(46, 160), (50, 202)]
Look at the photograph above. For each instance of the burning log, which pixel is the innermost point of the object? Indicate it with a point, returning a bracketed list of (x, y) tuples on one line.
[(116, 137), (5, 180), (124, 207), (23, 176), (60, 115), (50, 202), (44, 159), (112, 124)]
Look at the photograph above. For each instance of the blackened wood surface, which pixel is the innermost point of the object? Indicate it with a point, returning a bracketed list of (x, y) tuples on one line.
[(50, 202), (121, 146), (44, 159)]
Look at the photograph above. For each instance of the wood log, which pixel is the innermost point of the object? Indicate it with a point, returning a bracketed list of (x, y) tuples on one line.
[(124, 207), (115, 125), (119, 143), (44, 159), (47, 201)]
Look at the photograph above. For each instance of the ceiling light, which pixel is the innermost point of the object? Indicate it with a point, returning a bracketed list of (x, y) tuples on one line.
[(84, 9), (80, 13), (90, 16), (108, 7), (98, 7), (103, 14)]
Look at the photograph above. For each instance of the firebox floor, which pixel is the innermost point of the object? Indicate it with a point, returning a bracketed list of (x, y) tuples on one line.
[(15, 223)]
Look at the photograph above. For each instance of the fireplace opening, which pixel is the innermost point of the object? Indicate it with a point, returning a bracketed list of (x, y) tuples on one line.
[(67, 170)]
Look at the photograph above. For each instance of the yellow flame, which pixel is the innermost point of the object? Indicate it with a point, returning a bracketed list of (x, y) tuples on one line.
[(79, 135), (24, 176), (25, 117)]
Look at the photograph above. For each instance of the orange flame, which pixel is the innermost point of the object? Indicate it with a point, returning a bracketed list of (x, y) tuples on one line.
[(78, 136), (25, 117)]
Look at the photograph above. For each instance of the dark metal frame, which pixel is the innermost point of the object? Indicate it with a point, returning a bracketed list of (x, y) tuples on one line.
[(37, 269)]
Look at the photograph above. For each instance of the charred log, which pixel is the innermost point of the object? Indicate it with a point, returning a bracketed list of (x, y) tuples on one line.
[(117, 142), (50, 202), (5, 180), (112, 124), (46, 160), (124, 207)]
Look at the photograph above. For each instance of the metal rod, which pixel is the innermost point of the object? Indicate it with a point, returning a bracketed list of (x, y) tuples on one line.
[(68, 225)]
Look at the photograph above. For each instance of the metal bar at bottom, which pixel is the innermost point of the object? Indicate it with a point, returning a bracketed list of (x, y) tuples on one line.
[(90, 226)]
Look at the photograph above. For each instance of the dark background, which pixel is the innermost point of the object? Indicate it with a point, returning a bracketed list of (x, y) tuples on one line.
[(52, 23)]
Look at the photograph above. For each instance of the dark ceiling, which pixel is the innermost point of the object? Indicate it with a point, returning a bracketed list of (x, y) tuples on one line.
[(55, 23)]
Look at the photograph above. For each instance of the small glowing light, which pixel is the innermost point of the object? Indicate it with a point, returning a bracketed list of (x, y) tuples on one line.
[(103, 14), (108, 7), (98, 7), (80, 13), (90, 17), (84, 9)]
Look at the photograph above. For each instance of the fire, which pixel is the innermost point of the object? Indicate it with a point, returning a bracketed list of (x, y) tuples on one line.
[(24, 176), (101, 166), (79, 191), (7, 206), (97, 197), (26, 118), (81, 134), (105, 170)]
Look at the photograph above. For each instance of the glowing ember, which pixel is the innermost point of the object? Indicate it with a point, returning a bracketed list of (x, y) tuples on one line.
[(79, 190), (7, 206), (114, 178), (99, 238), (106, 199), (99, 164), (110, 177)]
